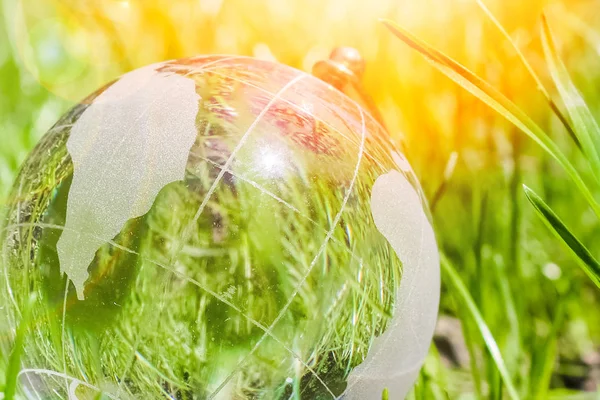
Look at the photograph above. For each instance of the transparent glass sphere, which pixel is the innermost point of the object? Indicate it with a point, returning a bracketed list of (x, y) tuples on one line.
[(217, 228)]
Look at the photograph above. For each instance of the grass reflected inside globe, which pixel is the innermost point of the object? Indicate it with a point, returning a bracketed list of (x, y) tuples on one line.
[(204, 229)]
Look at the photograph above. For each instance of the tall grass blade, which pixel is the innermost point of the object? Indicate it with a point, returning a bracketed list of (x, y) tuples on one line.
[(584, 124), (14, 360), (587, 261), (544, 358), (497, 101), (531, 71), (441, 190), (587, 33), (512, 346), (488, 338)]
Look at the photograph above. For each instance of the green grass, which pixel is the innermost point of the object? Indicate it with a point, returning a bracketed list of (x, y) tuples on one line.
[(583, 130), (526, 304)]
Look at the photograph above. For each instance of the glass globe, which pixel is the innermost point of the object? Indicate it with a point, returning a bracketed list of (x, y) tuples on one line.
[(217, 228)]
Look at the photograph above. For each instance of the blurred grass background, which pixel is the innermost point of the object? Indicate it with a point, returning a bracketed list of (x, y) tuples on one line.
[(541, 309)]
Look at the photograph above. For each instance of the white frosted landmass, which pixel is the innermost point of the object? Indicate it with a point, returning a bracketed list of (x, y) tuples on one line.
[(133, 140), (395, 358)]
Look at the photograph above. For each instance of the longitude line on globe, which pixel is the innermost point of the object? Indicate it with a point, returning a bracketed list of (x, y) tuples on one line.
[(165, 284), (278, 199), (312, 264)]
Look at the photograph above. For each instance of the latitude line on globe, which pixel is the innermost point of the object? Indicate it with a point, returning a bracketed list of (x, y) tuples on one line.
[(27, 371), (187, 279)]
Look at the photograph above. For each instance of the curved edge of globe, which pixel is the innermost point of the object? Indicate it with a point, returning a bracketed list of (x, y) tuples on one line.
[(395, 357)]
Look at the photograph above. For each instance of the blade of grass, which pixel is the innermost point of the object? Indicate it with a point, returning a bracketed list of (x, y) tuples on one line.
[(497, 101), (531, 71), (14, 361), (587, 33), (584, 124), (586, 260), (488, 338), (544, 358), (513, 349), (471, 334), (434, 375), (448, 172)]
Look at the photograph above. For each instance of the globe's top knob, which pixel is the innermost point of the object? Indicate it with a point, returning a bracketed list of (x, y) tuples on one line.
[(345, 65), (344, 70), (348, 58)]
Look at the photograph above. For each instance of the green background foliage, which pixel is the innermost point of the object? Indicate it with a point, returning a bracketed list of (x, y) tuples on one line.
[(523, 314)]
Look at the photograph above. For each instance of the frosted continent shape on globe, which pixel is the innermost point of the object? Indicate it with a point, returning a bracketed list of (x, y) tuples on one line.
[(224, 228)]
